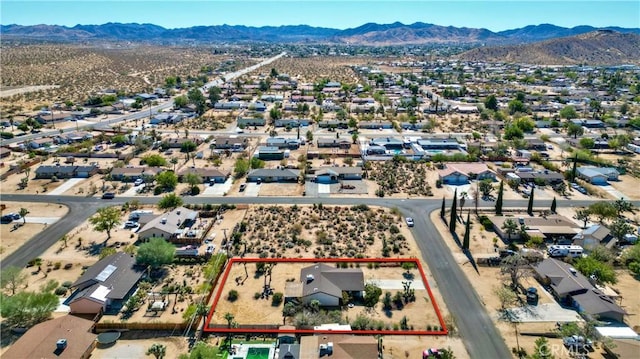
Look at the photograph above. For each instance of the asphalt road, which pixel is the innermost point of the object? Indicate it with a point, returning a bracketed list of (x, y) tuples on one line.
[(473, 323)]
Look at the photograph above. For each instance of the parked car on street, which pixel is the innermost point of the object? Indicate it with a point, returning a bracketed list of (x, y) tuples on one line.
[(410, 222)]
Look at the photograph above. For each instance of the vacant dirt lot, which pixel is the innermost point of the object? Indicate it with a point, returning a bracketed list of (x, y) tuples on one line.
[(325, 231), (10, 239)]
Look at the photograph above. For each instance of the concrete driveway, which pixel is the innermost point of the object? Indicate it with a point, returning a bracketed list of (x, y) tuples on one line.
[(612, 191), (65, 186), (218, 189), (252, 190), (547, 312), (42, 220)]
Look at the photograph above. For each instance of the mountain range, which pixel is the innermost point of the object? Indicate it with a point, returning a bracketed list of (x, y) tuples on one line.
[(367, 34)]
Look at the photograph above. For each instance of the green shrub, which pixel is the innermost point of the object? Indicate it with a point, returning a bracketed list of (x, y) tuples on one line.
[(6, 135), (277, 299), (61, 291)]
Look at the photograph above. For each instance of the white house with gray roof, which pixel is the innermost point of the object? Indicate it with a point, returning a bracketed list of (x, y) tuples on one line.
[(169, 225)]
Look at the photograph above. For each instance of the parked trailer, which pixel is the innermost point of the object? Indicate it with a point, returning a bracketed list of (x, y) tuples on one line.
[(187, 251), (565, 251)]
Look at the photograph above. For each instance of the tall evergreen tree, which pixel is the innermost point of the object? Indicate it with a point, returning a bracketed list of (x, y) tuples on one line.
[(573, 170), (442, 209), (465, 241), (499, 200), (553, 205), (452, 218), (530, 205)]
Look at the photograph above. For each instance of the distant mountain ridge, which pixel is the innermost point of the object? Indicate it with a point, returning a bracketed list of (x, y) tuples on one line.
[(600, 47), (367, 34)]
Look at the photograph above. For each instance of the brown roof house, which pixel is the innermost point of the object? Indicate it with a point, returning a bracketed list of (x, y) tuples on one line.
[(550, 227), (572, 288), (326, 283), (130, 174), (106, 285), (42, 340), (338, 346), (208, 174)]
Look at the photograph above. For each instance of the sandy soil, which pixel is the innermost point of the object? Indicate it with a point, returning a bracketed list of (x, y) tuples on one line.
[(269, 228), (133, 347), (248, 310), (11, 240)]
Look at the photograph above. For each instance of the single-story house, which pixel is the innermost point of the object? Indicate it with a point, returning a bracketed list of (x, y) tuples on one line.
[(325, 283), (41, 142), (60, 172), (230, 105), (271, 98), (207, 174), (572, 288), (389, 143), (333, 124), (549, 227), (251, 121), (230, 142), (332, 142), (334, 174), (169, 225), (299, 98), (44, 118), (273, 175), (439, 144), (40, 341), (267, 153), (291, 122), (169, 118), (589, 123), (257, 106), (592, 237), (375, 124), (376, 150), (130, 174), (535, 144), (178, 142), (106, 285), (546, 176), (462, 172), (4, 152), (597, 175), (281, 142)]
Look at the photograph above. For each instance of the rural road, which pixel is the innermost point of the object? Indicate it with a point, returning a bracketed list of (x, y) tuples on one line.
[(472, 319)]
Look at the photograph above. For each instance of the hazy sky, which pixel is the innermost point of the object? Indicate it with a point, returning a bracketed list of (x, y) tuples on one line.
[(341, 14)]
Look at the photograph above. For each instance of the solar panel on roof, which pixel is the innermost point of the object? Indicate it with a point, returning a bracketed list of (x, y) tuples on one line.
[(106, 272)]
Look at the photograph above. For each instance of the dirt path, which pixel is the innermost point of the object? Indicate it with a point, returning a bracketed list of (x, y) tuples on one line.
[(26, 89)]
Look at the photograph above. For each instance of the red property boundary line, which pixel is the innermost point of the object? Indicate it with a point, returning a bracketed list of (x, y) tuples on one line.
[(231, 262)]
